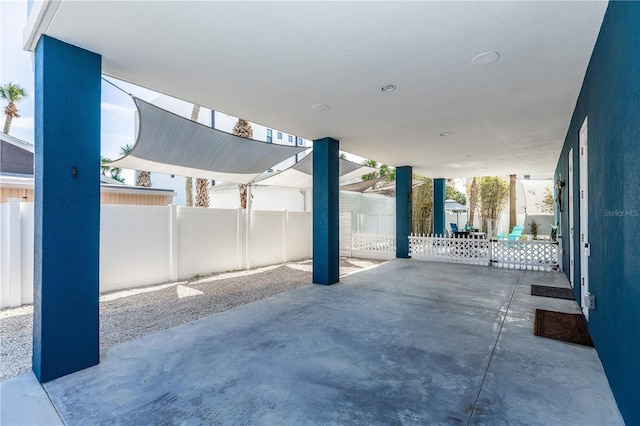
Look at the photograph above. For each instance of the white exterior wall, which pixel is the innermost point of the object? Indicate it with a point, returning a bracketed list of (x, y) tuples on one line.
[(142, 245)]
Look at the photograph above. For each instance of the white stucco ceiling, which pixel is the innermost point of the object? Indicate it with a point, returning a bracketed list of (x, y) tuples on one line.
[(269, 62)]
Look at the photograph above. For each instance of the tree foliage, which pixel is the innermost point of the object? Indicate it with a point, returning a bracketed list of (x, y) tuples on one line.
[(422, 208), (385, 171), (451, 193), (548, 202), (493, 193), (11, 93), (114, 172)]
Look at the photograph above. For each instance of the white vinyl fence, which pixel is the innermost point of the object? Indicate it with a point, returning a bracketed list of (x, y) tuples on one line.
[(141, 245)]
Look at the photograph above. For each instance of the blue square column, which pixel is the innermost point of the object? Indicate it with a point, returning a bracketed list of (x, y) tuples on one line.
[(67, 209), (439, 215), (404, 210), (326, 231)]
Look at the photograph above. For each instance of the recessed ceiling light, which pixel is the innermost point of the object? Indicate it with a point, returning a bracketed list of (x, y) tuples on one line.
[(320, 107), (486, 58), (388, 88), (444, 134)]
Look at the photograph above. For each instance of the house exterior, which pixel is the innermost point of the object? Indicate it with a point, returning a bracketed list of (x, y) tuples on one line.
[(510, 115), (16, 179), (599, 213)]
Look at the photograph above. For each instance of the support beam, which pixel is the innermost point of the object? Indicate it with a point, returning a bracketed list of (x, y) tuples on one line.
[(439, 215), (404, 210), (67, 209), (326, 235)]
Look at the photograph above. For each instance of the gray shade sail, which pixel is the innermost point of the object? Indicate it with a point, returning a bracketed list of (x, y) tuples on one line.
[(300, 175), (170, 144)]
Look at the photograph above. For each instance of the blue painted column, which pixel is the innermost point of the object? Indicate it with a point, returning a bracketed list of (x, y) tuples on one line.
[(326, 231), (404, 210), (67, 209), (439, 216)]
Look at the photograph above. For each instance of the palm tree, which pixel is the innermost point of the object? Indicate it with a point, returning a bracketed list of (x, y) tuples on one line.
[(202, 185), (114, 172), (473, 200), (12, 93), (143, 178), (244, 130), (202, 192)]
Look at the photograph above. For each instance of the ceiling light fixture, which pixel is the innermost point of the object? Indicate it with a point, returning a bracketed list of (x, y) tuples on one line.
[(320, 107), (444, 134), (486, 58), (388, 88)]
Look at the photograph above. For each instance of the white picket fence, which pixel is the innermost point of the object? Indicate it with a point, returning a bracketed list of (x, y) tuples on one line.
[(520, 254), (373, 246), (141, 245), (472, 251)]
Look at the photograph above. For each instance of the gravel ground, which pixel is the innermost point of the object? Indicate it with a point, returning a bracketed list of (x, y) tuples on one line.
[(129, 314)]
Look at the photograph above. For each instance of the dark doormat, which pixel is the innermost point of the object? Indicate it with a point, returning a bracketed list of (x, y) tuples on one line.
[(555, 292), (570, 328)]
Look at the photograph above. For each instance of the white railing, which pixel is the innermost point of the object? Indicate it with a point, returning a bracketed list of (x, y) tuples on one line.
[(372, 245), (474, 251), (525, 254)]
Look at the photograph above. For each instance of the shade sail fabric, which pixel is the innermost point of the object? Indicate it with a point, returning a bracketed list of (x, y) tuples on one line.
[(170, 144), (300, 175)]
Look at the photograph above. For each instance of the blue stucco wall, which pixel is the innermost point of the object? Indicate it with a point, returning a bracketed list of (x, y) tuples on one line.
[(610, 98), (66, 209)]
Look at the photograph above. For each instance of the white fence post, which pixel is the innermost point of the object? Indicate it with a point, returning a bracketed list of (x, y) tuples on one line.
[(239, 239), (173, 241), (247, 230), (285, 218)]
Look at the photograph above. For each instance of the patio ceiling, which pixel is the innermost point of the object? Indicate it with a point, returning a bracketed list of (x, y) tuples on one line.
[(270, 62)]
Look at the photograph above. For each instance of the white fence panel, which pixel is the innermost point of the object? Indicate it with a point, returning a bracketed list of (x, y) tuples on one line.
[(525, 254), (345, 233), (298, 236), (373, 246), (472, 251), (134, 246), (5, 256), (208, 241), (265, 239)]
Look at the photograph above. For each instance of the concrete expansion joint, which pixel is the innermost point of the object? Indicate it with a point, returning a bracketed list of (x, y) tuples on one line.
[(493, 351)]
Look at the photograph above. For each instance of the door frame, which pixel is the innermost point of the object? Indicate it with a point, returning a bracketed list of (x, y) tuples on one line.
[(570, 180), (584, 219)]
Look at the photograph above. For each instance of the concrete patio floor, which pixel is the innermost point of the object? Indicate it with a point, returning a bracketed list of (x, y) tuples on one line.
[(408, 342)]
